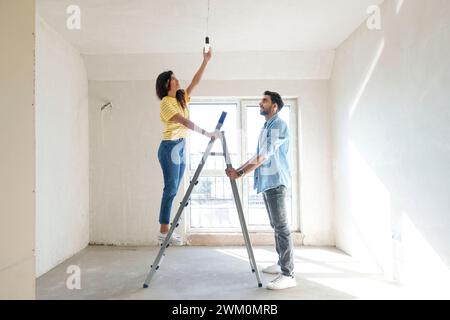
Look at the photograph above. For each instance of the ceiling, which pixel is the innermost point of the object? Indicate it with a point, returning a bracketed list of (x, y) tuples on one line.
[(179, 26)]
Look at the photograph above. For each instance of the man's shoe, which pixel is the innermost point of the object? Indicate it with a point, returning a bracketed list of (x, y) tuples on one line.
[(282, 282), (274, 269)]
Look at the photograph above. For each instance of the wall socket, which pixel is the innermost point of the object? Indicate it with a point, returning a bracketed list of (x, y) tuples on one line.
[(397, 237)]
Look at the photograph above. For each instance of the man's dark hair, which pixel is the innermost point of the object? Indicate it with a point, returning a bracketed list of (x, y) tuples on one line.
[(276, 98)]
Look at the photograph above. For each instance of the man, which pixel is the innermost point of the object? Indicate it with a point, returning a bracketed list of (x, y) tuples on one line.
[(272, 177)]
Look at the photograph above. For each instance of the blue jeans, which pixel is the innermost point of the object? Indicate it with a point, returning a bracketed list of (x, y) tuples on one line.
[(171, 156), (275, 201)]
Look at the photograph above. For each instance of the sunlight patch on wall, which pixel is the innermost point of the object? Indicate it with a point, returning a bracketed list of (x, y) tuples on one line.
[(370, 205), (367, 78), (399, 6)]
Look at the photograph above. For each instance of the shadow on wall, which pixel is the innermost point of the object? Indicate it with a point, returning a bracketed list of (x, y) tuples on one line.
[(398, 151)]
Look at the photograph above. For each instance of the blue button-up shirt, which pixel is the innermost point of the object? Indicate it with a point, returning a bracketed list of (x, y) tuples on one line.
[(273, 144)]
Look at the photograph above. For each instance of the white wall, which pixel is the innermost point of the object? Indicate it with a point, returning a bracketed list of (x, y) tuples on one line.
[(126, 179), (390, 94), (17, 147), (62, 150)]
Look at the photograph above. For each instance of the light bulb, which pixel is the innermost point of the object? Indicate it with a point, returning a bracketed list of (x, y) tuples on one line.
[(207, 45)]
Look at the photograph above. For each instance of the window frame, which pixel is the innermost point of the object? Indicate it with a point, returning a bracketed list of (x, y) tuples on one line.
[(243, 184)]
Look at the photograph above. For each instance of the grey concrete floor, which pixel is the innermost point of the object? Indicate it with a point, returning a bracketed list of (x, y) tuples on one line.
[(205, 273)]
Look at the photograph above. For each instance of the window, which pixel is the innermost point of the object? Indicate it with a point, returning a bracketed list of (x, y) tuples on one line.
[(212, 207)]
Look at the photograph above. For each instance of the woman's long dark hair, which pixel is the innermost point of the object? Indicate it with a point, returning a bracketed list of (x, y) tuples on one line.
[(163, 87)]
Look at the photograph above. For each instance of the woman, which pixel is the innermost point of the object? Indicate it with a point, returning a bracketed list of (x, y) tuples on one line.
[(174, 115)]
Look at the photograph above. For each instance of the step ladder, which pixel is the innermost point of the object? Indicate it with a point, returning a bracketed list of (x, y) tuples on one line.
[(185, 202)]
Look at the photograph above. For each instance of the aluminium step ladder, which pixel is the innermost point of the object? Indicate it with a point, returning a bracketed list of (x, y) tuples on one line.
[(185, 202)]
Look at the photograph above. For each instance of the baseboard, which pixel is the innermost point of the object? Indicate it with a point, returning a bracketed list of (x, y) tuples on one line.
[(236, 239)]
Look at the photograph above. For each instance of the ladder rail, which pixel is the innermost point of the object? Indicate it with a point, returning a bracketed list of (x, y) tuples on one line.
[(183, 204), (240, 211)]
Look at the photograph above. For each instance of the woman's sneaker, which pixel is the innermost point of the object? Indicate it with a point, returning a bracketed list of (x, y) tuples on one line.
[(175, 240), (282, 282)]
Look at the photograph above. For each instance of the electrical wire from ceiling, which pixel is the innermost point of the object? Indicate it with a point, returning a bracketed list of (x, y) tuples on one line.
[(207, 44)]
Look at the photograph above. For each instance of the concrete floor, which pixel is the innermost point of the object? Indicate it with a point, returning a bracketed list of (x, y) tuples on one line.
[(204, 273)]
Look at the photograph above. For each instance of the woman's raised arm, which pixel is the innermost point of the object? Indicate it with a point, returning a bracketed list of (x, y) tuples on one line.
[(199, 74)]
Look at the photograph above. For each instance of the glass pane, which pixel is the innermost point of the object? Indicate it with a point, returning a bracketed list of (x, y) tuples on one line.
[(206, 117), (212, 204)]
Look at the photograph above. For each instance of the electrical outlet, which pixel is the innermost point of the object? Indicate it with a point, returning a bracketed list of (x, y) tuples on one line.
[(397, 237)]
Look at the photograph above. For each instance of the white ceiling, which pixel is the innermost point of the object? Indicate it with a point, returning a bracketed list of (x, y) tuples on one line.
[(179, 26)]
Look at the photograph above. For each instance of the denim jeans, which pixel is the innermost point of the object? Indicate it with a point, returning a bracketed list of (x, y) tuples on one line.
[(171, 156), (275, 201)]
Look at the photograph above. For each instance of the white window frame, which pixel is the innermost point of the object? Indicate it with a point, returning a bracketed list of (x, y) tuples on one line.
[(242, 103)]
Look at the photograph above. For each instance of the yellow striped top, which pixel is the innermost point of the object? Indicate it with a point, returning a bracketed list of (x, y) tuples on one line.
[(168, 108)]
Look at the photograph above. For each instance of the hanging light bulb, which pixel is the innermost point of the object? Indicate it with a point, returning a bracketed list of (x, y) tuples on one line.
[(207, 45)]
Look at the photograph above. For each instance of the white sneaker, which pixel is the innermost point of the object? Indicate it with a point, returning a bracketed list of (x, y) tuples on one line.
[(282, 282), (175, 240), (274, 269)]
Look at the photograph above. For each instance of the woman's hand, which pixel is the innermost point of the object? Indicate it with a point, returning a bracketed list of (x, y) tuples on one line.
[(213, 134), (207, 55)]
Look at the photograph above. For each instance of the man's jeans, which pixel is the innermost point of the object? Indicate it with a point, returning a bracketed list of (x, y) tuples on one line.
[(275, 201), (171, 155)]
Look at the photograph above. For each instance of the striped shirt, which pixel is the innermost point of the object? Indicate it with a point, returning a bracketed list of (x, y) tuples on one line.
[(168, 108)]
